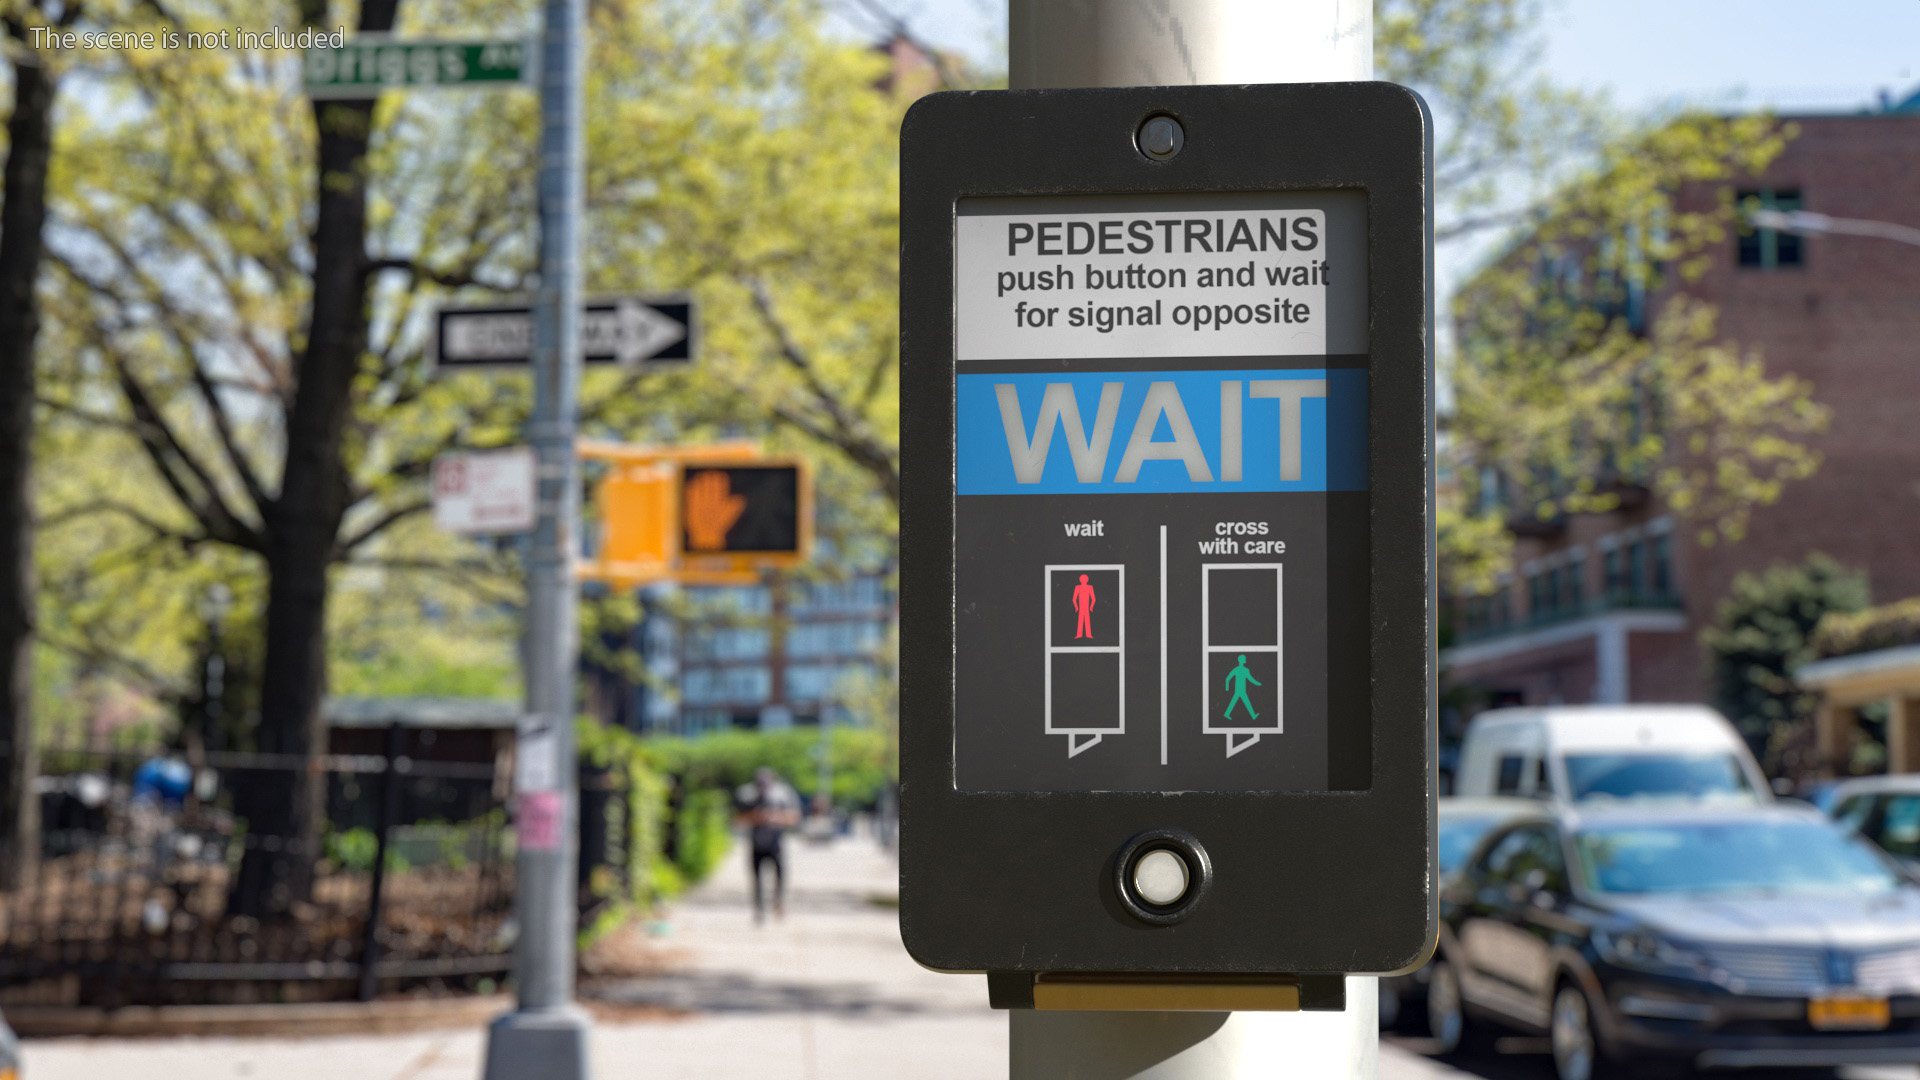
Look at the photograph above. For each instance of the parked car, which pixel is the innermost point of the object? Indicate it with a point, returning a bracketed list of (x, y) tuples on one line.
[(1589, 752), (1820, 793), (1461, 824), (1718, 936), (1885, 810)]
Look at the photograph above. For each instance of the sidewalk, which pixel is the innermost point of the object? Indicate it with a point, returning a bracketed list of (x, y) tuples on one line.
[(826, 994)]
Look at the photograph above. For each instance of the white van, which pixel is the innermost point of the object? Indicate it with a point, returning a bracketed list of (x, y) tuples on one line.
[(1579, 753)]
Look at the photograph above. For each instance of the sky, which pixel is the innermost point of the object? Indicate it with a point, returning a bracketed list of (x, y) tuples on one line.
[(1649, 56), (1790, 55)]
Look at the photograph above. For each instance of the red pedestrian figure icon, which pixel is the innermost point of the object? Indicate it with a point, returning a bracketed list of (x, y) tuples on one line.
[(1083, 603)]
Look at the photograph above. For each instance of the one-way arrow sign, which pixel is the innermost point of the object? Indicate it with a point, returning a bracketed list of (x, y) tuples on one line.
[(623, 330)]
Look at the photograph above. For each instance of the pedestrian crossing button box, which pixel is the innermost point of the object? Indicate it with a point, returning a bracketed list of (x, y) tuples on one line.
[(1166, 536)]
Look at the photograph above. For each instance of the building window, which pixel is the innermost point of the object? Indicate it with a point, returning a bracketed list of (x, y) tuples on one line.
[(727, 643), (1640, 572), (1554, 592), (1474, 614), (719, 601), (1768, 249), (1571, 589), (859, 594), (705, 721), (714, 686), (1661, 567), (817, 682), (852, 638), (1492, 497)]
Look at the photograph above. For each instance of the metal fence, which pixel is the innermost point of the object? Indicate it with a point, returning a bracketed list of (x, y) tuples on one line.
[(140, 853)]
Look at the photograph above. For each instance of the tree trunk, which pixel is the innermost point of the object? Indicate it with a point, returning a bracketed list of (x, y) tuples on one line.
[(285, 810), (22, 215)]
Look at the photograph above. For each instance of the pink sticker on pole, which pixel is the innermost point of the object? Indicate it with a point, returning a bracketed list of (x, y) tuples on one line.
[(537, 820)]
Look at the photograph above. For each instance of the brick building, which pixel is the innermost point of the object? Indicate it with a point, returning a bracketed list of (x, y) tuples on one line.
[(1609, 607)]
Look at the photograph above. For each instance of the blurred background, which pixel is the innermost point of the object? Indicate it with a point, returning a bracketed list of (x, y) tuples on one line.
[(260, 671)]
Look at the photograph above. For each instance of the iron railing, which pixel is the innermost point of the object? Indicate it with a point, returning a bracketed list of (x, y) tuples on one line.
[(132, 898)]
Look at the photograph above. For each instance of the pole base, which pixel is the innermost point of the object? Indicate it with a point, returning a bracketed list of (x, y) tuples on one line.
[(539, 1044), (1199, 1045)]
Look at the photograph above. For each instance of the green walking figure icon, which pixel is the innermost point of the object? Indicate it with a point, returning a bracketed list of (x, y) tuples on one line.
[(1237, 681)]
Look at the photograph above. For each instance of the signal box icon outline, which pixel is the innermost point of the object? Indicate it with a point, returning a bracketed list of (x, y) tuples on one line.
[(1089, 608), (1239, 703)]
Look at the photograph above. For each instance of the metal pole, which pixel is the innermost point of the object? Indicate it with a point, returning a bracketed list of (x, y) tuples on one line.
[(545, 1038), (1187, 42), (823, 797), (1193, 42)]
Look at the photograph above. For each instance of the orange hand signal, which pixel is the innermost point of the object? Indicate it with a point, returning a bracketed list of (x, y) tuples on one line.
[(711, 510)]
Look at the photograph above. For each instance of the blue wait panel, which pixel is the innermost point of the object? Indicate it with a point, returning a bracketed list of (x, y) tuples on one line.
[(1114, 432)]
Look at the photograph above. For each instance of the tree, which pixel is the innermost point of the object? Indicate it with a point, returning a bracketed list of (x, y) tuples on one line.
[(1584, 373), (1762, 631), (23, 213), (800, 262), (243, 278), (242, 281), (1564, 398), (757, 162), (1506, 135), (224, 335)]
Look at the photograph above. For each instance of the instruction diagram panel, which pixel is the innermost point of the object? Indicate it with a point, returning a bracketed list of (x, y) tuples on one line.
[(1161, 541)]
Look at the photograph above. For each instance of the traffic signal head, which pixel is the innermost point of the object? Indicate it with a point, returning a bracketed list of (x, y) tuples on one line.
[(755, 509)]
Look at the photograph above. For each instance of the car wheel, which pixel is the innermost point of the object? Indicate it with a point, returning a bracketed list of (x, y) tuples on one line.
[(1574, 1036), (1446, 1010)]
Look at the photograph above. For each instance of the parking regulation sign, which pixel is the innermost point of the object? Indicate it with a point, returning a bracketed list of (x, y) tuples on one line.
[(1166, 563)]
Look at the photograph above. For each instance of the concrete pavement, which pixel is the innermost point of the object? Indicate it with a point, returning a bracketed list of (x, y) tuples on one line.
[(825, 994)]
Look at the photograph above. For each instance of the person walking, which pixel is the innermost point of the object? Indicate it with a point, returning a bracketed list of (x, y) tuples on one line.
[(768, 807), (1237, 681)]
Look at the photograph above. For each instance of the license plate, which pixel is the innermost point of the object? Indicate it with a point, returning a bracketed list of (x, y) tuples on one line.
[(1848, 1013)]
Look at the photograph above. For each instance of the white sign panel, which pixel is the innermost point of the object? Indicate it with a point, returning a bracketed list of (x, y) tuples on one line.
[(1219, 275), (536, 754), (486, 493)]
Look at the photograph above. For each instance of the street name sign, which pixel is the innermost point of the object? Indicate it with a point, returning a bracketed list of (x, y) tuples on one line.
[(630, 331), (1167, 637), (366, 65), (484, 493)]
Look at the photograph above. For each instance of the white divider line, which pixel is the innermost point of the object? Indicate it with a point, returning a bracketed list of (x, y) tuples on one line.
[(1163, 644)]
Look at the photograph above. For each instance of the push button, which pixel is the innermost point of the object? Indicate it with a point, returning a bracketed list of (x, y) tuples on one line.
[(1160, 877)]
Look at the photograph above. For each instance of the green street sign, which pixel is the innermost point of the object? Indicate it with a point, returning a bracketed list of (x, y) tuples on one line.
[(367, 65)]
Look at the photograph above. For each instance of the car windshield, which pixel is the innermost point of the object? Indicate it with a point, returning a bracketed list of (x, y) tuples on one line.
[(1766, 858), (1639, 776), (1457, 837)]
